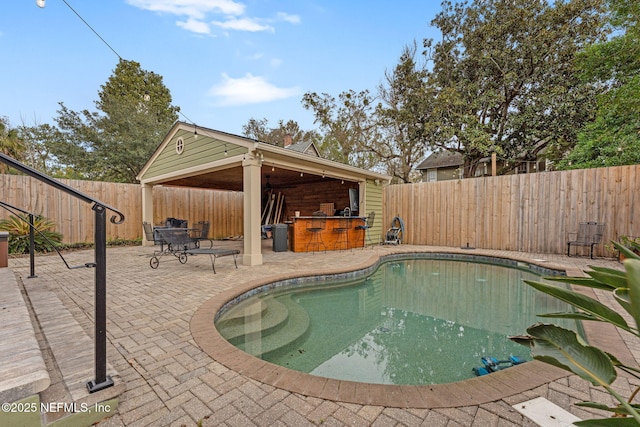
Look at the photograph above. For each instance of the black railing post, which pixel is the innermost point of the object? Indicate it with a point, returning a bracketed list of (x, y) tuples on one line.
[(102, 380), (32, 249)]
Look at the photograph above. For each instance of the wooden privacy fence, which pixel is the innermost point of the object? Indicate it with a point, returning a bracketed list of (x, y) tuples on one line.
[(74, 218), (526, 212)]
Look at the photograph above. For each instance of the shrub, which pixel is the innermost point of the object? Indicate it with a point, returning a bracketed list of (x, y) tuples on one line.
[(565, 349), (45, 238)]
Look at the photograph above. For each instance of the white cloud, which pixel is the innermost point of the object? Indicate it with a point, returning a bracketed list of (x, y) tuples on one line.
[(199, 14), (292, 19), (249, 89), (196, 9), (243, 24), (194, 26)]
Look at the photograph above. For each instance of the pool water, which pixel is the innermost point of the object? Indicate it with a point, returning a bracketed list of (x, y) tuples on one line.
[(412, 321)]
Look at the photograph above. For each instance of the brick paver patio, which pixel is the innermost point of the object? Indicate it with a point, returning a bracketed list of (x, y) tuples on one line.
[(171, 381)]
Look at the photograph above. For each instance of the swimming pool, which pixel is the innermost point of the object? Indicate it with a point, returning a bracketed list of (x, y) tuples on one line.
[(418, 319)]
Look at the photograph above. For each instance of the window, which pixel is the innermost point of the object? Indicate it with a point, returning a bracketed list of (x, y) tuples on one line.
[(179, 145)]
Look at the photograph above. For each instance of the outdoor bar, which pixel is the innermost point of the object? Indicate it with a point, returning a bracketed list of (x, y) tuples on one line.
[(338, 233)]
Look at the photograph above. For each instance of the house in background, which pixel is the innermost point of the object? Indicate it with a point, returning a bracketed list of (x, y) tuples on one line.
[(441, 166), (447, 165), (304, 147)]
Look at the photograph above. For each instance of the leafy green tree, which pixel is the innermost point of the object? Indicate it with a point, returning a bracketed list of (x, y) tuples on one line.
[(114, 146), (404, 117), (506, 80), (260, 130), (613, 138), (348, 125), (39, 140), (10, 143)]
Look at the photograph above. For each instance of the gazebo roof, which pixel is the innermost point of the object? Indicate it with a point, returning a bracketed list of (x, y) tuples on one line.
[(195, 156)]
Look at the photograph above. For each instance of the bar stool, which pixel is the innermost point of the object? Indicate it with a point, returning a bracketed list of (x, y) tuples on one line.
[(342, 228), (368, 223), (318, 224)]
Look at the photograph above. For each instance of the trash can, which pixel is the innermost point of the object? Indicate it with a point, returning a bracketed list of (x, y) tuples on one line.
[(280, 232)]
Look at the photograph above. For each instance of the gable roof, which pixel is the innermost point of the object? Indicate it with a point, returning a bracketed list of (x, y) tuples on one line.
[(306, 147), (441, 159), (202, 157)]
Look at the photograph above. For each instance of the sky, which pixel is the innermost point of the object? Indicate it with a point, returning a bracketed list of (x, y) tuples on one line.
[(224, 61)]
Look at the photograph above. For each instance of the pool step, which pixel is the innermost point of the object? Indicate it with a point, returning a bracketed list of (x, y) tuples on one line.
[(266, 341), (263, 318), (242, 313)]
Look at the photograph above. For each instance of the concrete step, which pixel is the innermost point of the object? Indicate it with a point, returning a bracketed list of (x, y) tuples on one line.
[(292, 332), (272, 318), (69, 356), (23, 373)]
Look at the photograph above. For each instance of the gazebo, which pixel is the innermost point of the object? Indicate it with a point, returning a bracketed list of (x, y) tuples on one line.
[(194, 156)]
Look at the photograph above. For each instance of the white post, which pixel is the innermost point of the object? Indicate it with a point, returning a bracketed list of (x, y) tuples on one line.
[(252, 206)]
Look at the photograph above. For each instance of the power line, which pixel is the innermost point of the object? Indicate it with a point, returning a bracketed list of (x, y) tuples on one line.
[(109, 46), (91, 28)]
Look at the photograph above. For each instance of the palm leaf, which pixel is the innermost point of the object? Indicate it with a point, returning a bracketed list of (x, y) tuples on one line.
[(616, 409), (582, 302), (608, 422), (622, 296), (577, 315), (615, 280), (632, 267), (581, 281), (563, 348)]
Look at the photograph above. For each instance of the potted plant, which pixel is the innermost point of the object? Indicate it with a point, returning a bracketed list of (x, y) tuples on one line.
[(629, 242)]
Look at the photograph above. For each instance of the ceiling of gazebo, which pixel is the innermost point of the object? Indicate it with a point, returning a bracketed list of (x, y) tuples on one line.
[(231, 179)]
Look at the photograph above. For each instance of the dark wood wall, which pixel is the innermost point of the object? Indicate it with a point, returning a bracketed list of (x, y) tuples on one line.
[(308, 197)]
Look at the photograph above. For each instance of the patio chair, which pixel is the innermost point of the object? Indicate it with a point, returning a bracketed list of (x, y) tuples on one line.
[(317, 226), (589, 234), (201, 232), (181, 245), (368, 223), (151, 235)]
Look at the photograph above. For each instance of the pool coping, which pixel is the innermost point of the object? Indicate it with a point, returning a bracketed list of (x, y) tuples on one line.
[(474, 391)]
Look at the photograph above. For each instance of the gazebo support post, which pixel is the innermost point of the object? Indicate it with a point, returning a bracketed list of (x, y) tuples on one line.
[(252, 199)]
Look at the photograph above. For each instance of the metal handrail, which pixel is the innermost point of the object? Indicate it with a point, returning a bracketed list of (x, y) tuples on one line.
[(101, 380), (33, 229), (60, 186)]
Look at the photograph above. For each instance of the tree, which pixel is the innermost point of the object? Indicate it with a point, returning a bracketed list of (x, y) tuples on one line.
[(40, 141), (404, 117), (260, 130), (613, 138), (505, 78), (10, 143), (116, 145), (349, 125)]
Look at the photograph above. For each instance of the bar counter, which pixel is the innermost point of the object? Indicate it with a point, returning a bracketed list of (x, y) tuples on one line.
[(299, 236)]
